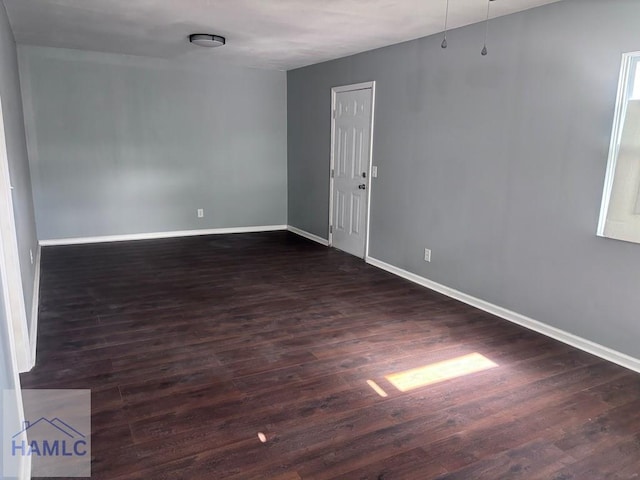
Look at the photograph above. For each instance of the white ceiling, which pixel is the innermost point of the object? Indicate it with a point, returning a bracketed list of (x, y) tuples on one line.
[(280, 34)]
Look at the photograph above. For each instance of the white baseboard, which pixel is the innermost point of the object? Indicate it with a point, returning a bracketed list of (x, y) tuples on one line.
[(156, 235), (601, 351), (35, 304), (308, 235)]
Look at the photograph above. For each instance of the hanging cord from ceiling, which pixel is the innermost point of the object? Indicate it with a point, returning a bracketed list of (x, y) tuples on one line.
[(446, 22), (486, 29)]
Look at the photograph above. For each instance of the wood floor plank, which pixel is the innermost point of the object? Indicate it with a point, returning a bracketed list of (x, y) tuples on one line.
[(194, 346)]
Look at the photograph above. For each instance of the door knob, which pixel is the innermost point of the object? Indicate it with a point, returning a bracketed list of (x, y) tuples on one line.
[(362, 186)]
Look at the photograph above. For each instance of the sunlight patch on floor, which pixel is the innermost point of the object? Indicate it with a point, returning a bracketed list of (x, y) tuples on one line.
[(440, 371), (377, 388)]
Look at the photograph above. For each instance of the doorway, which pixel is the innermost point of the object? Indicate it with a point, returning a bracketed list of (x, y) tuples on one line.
[(351, 156)]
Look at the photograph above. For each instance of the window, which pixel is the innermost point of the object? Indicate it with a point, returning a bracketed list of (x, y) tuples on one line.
[(620, 212), (635, 79)]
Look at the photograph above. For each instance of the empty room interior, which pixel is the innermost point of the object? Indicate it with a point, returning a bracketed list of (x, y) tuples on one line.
[(289, 239)]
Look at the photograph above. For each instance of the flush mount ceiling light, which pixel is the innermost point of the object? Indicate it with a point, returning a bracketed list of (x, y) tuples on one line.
[(206, 40)]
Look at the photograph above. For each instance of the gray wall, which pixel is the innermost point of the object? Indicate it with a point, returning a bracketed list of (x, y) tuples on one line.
[(123, 145), (18, 160), (496, 163)]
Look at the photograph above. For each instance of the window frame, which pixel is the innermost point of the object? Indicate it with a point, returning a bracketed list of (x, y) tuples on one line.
[(629, 68)]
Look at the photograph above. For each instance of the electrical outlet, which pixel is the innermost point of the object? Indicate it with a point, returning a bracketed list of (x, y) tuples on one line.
[(427, 255), (374, 171), (31, 256), (201, 213)]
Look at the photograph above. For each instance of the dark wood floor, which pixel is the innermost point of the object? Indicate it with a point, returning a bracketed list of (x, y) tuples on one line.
[(193, 346)]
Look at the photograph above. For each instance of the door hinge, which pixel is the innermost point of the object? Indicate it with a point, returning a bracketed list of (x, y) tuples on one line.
[(333, 173), (333, 114), (330, 228)]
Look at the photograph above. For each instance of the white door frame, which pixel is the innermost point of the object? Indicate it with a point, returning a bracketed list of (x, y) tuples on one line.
[(12, 370), (14, 330), (11, 262), (334, 91)]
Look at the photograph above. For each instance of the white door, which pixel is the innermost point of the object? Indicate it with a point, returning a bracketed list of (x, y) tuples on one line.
[(14, 346), (351, 133), (10, 260)]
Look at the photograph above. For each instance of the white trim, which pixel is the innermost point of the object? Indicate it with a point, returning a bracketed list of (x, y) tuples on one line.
[(35, 305), (622, 98), (331, 165), (349, 88), (7, 334), (156, 235), (369, 180), (352, 87), (601, 351), (11, 259), (310, 236), (26, 466)]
